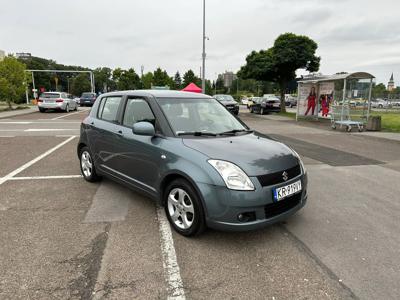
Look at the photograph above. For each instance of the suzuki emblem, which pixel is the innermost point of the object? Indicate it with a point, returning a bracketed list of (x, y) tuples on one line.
[(285, 176)]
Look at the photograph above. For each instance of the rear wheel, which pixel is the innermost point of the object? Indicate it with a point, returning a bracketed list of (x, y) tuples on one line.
[(67, 108), (183, 208), (262, 111), (42, 110), (88, 169)]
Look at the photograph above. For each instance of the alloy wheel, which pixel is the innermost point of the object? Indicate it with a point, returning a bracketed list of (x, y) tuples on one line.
[(86, 164), (180, 208)]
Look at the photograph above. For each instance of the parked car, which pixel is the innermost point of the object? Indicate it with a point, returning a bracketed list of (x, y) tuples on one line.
[(77, 100), (56, 101), (229, 103), (380, 103), (266, 105), (251, 101), (245, 101), (87, 99), (290, 101), (192, 156)]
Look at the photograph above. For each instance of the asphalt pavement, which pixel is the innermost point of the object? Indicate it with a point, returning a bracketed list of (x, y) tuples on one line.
[(64, 238)]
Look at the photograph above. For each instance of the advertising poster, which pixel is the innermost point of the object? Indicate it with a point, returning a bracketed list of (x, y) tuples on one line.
[(307, 101), (326, 97)]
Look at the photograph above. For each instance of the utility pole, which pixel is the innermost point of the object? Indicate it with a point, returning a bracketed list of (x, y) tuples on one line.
[(203, 81)]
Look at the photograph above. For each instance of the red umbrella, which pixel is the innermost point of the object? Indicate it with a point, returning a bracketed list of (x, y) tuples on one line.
[(192, 88)]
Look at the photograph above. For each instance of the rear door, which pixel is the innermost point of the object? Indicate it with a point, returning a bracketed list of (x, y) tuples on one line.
[(105, 133)]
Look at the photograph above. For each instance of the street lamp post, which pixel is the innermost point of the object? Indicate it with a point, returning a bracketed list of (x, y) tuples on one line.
[(203, 79)]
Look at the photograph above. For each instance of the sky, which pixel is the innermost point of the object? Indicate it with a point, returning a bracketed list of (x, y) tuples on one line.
[(352, 35)]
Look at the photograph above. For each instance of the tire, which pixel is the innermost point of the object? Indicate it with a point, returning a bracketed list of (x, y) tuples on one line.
[(183, 208), (88, 171), (252, 110), (42, 110), (67, 108), (262, 111)]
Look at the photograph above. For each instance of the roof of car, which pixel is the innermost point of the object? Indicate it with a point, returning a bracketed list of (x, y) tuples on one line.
[(158, 94)]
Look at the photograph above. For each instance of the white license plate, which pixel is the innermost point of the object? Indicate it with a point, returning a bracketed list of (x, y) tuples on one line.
[(49, 101), (287, 190)]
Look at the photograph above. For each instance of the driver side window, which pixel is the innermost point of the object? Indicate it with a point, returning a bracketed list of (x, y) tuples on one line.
[(137, 110)]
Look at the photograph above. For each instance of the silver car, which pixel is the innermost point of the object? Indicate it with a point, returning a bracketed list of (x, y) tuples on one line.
[(56, 101)]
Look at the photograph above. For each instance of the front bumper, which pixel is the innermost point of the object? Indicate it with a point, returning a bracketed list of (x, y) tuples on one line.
[(223, 205)]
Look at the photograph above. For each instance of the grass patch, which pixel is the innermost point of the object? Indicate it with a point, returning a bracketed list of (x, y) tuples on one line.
[(19, 107), (390, 120), (288, 114)]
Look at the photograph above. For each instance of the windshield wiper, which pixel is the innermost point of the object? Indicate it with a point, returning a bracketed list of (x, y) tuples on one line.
[(234, 131), (197, 133)]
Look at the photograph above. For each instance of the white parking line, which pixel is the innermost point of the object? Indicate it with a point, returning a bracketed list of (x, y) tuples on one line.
[(46, 177), (48, 129), (70, 114), (35, 160), (170, 263)]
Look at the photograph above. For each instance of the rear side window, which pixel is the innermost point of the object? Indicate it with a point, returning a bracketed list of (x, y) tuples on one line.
[(137, 110), (108, 108)]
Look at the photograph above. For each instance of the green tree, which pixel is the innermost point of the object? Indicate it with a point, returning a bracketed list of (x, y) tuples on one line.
[(103, 80), (80, 84), (126, 79), (279, 63), (161, 78), (178, 81), (190, 77), (147, 80), (379, 91), (12, 78)]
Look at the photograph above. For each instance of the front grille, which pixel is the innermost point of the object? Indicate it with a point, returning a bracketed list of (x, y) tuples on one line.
[(277, 177), (277, 208)]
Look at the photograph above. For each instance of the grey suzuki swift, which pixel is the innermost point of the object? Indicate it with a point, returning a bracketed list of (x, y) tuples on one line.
[(195, 158)]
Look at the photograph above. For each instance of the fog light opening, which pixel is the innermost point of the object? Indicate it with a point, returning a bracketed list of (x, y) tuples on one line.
[(247, 216)]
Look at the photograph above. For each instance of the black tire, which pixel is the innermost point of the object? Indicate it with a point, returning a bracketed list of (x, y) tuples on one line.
[(42, 110), (252, 110), (67, 108), (262, 111), (93, 177), (199, 225)]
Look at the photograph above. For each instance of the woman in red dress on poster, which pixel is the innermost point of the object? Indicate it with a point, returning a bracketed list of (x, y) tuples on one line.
[(311, 101)]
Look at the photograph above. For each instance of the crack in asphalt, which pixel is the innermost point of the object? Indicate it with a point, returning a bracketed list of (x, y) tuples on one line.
[(89, 265), (307, 251)]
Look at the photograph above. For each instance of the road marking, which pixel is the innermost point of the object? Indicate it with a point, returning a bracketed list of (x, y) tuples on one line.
[(48, 129), (33, 161), (170, 263), (110, 203), (7, 136), (70, 114), (14, 122), (46, 177)]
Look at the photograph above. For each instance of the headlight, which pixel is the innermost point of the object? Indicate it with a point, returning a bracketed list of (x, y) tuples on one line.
[(234, 177)]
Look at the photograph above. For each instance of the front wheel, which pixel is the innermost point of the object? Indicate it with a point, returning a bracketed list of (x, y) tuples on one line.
[(67, 108), (183, 208), (262, 111)]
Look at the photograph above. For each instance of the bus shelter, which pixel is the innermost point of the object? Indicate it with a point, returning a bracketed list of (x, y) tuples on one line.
[(344, 98)]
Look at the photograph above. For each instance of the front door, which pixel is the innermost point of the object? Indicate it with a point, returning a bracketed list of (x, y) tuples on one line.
[(139, 156)]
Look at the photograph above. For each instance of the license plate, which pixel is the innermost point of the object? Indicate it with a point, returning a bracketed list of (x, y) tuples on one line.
[(49, 101), (287, 190)]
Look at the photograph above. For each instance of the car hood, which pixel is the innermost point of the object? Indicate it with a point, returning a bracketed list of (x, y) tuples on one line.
[(254, 153), (228, 102)]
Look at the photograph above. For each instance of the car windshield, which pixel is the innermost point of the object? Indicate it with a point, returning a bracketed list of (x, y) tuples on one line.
[(224, 98), (206, 116), (50, 95)]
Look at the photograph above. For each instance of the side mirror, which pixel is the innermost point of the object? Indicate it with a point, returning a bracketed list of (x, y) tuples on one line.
[(143, 128)]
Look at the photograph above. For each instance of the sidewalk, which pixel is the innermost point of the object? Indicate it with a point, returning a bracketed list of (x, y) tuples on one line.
[(9, 114), (379, 134)]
